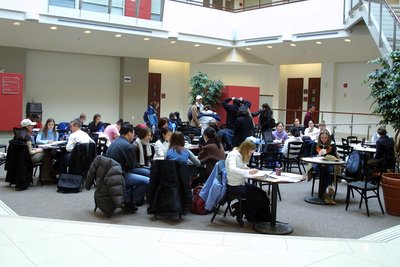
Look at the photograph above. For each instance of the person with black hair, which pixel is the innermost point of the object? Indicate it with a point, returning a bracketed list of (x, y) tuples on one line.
[(162, 144), (385, 150), (294, 137), (266, 122), (211, 152), (96, 125), (244, 126), (122, 151), (178, 118)]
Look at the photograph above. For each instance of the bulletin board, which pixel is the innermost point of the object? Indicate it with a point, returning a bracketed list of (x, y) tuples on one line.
[(11, 88)]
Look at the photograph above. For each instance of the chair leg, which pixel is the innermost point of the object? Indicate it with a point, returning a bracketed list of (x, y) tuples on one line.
[(279, 194), (366, 203), (298, 164), (216, 210), (313, 184), (348, 197), (228, 208), (239, 217), (379, 201)]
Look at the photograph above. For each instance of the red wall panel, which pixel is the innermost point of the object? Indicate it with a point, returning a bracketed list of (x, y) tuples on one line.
[(144, 9), (11, 87), (248, 93)]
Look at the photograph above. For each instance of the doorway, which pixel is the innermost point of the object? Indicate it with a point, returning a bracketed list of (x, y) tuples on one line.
[(314, 88), (154, 90), (294, 99)]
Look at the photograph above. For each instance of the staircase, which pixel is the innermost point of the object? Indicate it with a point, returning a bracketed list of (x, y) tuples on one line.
[(387, 36)]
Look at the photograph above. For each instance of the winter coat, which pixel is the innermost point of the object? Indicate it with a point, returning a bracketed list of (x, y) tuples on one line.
[(110, 184), (18, 164), (244, 128)]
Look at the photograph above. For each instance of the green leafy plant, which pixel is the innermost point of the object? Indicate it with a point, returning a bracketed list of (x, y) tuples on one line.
[(385, 90), (208, 89)]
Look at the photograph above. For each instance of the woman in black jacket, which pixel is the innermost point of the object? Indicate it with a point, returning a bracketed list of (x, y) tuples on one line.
[(244, 126), (266, 122)]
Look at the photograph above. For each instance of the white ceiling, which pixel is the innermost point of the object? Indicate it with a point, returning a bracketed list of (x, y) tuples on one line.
[(39, 36)]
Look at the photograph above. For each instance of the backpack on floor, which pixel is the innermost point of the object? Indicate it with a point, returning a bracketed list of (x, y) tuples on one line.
[(69, 183), (198, 204)]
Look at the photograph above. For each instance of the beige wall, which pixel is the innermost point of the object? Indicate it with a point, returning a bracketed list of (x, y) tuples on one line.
[(68, 84), (134, 93)]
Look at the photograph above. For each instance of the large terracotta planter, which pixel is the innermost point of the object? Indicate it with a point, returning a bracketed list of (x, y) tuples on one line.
[(391, 192)]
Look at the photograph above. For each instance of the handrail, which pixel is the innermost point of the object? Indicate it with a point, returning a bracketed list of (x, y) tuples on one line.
[(357, 5), (351, 124)]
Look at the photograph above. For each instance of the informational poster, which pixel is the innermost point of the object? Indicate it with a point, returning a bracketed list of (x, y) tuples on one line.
[(11, 88)]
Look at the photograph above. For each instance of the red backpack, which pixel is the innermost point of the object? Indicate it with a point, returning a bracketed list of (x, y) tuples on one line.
[(198, 204)]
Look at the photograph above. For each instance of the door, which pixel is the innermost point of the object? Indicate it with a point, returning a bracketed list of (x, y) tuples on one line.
[(294, 99), (154, 90), (314, 87)]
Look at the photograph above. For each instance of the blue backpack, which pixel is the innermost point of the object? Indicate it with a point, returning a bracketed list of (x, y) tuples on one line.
[(354, 164)]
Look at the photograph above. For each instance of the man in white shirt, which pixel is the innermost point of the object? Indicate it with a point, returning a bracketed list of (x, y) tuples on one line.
[(294, 137), (77, 136)]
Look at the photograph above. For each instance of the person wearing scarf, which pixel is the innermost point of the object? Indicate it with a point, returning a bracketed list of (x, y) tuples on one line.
[(143, 152)]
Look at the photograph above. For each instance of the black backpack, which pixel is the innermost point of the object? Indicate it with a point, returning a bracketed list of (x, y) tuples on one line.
[(354, 164)]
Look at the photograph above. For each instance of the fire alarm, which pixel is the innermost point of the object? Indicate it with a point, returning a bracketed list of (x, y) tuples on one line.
[(345, 85)]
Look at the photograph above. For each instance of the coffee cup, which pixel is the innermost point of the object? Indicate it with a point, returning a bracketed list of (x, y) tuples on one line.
[(278, 171)]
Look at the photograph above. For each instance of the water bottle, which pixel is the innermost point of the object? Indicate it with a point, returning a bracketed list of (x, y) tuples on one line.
[(278, 170)]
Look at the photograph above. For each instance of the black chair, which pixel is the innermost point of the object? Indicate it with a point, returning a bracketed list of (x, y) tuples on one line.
[(369, 184), (295, 150), (228, 199), (101, 145), (342, 151), (352, 140)]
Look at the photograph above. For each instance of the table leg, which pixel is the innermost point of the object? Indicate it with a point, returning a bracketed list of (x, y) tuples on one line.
[(317, 200), (273, 227)]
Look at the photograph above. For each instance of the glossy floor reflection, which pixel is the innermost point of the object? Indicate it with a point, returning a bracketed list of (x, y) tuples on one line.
[(27, 241)]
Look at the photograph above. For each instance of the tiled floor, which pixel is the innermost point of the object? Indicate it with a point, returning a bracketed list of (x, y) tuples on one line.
[(27, 241)]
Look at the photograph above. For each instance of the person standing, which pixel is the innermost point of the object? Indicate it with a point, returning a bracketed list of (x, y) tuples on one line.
[(151, 116), (265, 121), (244, 126), (308, 116), (196, 108)]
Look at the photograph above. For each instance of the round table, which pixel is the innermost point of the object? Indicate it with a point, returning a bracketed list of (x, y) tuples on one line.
[(319, 160)]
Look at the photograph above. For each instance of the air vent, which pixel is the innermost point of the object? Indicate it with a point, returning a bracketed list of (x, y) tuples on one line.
[(113, 26), (316, 34), (268, 39)]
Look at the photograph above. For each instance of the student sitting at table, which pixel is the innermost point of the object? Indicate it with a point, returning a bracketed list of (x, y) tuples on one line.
[(211, 152), (294, 137), (384, 157), (311, 131), (48, 134), (323, 147), (143, 152), (96, 125), (112, 130), (297, 126), (256, 205), (162, 145), (178, 151), (280, 133)]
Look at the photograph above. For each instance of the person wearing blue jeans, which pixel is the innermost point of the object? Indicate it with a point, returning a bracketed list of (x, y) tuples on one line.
[(122, 151)]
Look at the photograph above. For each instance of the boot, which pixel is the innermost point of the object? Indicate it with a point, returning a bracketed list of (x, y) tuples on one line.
[(129, 207)]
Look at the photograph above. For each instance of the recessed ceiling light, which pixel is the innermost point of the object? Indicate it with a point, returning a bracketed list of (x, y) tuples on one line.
[(269, 46), (146, 39), (53, 28), (219, 48), (196, 45), (118, 35), (17, 23), (293, 45), (347, 40), (248, 48), (172, 42), (87, 31), (318, 42)]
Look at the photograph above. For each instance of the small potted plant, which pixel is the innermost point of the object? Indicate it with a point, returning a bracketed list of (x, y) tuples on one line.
[(384, 83)]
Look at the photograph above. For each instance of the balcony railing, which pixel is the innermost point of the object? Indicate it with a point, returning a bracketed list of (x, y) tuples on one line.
[(144, 9)]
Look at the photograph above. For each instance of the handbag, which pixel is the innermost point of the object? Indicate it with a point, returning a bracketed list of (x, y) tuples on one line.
[(69, 183)]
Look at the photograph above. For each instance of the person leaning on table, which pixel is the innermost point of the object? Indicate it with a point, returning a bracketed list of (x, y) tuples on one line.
[(321, 148), (256, 205)]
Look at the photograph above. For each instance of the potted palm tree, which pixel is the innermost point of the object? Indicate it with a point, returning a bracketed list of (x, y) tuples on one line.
[(384, 83), (210, 90)]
